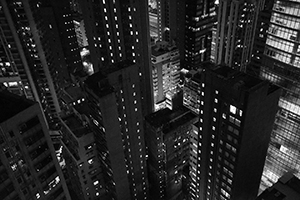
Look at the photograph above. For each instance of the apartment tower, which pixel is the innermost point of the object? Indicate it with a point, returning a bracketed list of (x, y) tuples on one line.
[(29, 168), (236, 116), (38, 51), (167, 140), (118, 30), (116, 112)]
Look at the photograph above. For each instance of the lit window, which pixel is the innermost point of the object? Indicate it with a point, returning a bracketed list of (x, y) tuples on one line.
[(232, 109), (91, 161), (96, 182), (241, 113)]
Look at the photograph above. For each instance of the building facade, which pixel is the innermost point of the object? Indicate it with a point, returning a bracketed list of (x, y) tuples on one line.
[(167, 140), (279, 63), (235, 32), (200, 19), (29, 167), (119, 30), (236, 116), (191, 91), (39, 48), (82, 164), (116, 111), (165, 73)]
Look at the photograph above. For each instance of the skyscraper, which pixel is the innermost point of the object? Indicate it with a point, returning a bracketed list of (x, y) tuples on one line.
[(200, 19), (84, 175), (118, 30), (39, 44), (279, 63), (116, 112), (236, 116), (29, 168), (191, 91), (167, 140), (235, 32), (165, 73), (166, 20)]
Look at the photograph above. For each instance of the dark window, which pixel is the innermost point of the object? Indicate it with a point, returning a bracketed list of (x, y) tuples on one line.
[(11, 133)]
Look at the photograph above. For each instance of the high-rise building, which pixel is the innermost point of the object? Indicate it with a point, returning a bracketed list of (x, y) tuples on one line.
[(167, 140), (119, 30), (237, 112), (286, 188), (165, 18), (40, 50), (191, 91), (29, 168), (80, 30), (277, 60), (14, 67), (84, 175), (116, 112), (200, 19), (165, 73), (235, 32)]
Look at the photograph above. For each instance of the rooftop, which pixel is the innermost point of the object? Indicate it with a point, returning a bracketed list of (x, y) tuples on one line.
[(72, 93), (11, 105), (117, 66), (170, 119), (98, 83), (76, 126), (286, 188), (162, 48), (236, 78)]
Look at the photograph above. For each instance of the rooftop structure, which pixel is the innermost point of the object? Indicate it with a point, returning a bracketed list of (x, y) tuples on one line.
[(286, 188)]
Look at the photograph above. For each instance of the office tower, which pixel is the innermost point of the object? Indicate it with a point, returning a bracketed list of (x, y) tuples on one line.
[(200, 18), (84, 176), (279, 64), (63, 18), (80, 30), (153, 21), (235, 32), (165, 19), (119, 30), (165, 73), (287, 187), (40, 43), (235, 123), (167, 140), (29, 168), (191, 91), (260, 37), (115, 103)]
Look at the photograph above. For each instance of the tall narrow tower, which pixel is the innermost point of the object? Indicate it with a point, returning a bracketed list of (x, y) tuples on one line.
[(118, 30), (235, 123), (200, 19), (116, 112), (235, 32)]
